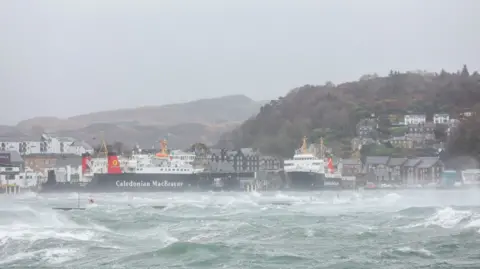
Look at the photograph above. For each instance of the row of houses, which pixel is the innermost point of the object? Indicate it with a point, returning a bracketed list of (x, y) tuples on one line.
[(245, 159), (45, 145), (389, 170), (14, 170), (411, 131), (439, 118)]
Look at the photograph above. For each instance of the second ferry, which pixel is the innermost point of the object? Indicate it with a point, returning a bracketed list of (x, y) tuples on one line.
[(306, 171)]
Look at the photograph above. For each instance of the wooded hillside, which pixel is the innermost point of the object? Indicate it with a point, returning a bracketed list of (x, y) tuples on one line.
[(463, 148), (332, 111)]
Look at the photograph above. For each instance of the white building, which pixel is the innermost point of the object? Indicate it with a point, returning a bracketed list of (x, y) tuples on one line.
[(415, 119), (47, 145), (441, 118), (13, 173), (68, 173)]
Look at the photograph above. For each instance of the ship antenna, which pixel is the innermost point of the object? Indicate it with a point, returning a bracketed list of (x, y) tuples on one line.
[(322, 149), (103, 147), (304, 145)]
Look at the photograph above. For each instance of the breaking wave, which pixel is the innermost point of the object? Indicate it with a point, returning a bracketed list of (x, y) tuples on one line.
[(240, 230)]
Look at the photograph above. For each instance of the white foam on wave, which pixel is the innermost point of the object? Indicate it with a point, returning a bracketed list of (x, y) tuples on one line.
[(52, 256), (448, 218), (422, 252), (392, 197), (45, 224), (38, 233)]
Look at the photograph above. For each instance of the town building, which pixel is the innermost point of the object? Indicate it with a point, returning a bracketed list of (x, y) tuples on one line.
[(404, 171), (395, 169), (350, 167), (11, 163), (45, 145), (358, 142), (465, 113), (441, 118), (401, 142), (41, 162), (379, 166), (13, 174), (415, 119), (421, 134), (396, 119), (366, 128), (423, 171), (245, 159)]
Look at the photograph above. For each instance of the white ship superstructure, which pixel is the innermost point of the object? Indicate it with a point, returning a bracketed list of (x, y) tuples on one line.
[(305, 162), (175, 162), (154, 164), (471, 177), (305, 171)]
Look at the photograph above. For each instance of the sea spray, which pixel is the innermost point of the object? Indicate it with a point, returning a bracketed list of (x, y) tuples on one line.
[(246, 230)]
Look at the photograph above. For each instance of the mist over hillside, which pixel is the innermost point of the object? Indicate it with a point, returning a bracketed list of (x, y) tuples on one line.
[(332, 111), (184, 124)]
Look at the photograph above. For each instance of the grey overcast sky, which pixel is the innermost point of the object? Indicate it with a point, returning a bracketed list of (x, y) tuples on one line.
[(65, 57)]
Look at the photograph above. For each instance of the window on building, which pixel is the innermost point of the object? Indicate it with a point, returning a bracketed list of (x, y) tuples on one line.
[(43, 147)]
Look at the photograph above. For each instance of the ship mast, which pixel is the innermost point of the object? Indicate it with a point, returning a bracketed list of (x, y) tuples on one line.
[(163, 147), (103, 146), (322, 148), (304, 145), (103, 150)]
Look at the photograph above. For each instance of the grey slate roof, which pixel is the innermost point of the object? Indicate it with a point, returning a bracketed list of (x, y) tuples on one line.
[(14, 156), (83, 144), (428, 162), (8, 139), (66, 139), (412, 162), (248, 151), (377, 160), (221, 166), (63, 161), (350, 161), (397, 161), (215, 151)]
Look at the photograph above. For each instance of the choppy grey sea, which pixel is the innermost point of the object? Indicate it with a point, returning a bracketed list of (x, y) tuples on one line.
[(370, 229)]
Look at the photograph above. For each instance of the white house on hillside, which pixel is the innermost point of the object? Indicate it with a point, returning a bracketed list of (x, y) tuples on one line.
[(442, 118), (415, 119), (47, 145)]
